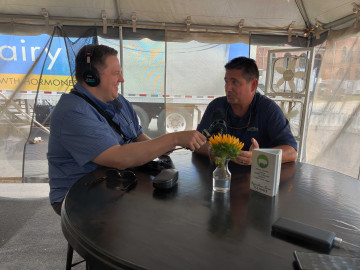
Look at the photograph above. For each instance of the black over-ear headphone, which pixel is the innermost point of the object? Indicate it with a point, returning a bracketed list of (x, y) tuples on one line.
[(90, 75)]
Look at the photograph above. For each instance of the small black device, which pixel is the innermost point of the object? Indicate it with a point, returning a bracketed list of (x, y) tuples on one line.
[(154, 167), (310, 260), (90, 75), (120, 180), (166, 179), (305, 234)]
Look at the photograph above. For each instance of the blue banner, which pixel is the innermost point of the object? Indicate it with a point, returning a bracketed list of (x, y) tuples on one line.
[(19, 53)]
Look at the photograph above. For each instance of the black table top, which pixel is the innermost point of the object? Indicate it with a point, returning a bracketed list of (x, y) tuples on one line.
[(192, 227)]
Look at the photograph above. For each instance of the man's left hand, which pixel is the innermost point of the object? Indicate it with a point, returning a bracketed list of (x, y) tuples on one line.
[(245, 157)]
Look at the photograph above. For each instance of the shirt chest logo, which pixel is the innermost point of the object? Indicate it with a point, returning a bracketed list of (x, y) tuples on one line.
[(252, 129)]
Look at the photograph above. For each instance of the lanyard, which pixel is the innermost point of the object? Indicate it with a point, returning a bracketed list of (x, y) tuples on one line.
[(115, 126)]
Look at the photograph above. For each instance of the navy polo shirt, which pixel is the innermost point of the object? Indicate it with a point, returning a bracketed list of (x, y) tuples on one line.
[(79, 133), (268, 124)]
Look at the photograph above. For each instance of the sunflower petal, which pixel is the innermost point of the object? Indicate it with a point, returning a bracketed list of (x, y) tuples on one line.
[(225, 146)]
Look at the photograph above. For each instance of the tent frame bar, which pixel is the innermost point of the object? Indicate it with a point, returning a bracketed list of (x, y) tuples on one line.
[(39, 20), (302, 10), (341, 21)]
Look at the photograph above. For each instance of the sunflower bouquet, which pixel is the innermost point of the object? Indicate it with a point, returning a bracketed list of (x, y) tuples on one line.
[(225, 147)]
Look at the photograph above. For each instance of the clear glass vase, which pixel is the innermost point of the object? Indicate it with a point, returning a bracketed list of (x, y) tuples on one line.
[(222, 176)]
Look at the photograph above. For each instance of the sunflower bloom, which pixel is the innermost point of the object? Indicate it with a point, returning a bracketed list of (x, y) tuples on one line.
[(225, 147)]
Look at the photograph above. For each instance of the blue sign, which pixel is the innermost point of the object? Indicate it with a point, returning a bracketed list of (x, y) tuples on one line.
[(19, 53)]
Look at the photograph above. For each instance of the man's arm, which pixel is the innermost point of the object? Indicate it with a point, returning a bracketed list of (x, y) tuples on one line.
[(142, 137), (278, 131), (138, 153), (288, 153)]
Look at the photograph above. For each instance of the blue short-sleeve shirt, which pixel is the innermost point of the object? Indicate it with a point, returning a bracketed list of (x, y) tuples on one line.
[(267, 125), (79, 133)]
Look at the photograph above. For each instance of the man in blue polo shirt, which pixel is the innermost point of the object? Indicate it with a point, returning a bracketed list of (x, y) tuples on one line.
[(253, 118), (95, 126)]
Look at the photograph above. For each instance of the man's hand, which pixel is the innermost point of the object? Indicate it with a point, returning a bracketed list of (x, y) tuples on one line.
[(245, 157), (190, 139)]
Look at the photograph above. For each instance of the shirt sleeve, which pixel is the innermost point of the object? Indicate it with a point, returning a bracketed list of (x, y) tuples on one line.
[(279, 132), (85, 136)]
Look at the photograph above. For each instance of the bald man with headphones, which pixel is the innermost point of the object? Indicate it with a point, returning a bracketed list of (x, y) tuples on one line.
[(95, 126)]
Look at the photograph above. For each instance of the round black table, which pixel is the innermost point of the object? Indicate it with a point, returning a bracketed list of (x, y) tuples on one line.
[(192, 227)]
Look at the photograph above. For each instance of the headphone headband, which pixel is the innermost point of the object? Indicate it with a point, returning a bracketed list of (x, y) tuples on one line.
[(88, 58)]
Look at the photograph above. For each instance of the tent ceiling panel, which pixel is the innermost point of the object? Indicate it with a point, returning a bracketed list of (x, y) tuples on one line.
[(329, 10), (259, 13), (89, 9), (256, 13), (226, 13)]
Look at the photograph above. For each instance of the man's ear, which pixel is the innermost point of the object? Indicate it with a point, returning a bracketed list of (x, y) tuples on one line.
[(254, 84)]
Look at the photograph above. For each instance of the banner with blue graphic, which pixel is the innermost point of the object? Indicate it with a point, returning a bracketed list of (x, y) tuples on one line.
[(19, 53)]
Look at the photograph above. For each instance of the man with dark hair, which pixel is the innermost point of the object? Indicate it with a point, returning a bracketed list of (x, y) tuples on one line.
[(253, 118), (95, 126), (98, 58)]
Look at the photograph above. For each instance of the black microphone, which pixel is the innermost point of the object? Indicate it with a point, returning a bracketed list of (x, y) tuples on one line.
[(218, 124)]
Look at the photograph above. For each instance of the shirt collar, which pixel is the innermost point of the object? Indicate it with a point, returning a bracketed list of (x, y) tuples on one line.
[(255, 98)]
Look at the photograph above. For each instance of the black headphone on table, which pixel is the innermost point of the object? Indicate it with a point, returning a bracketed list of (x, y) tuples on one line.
[(90, 75)]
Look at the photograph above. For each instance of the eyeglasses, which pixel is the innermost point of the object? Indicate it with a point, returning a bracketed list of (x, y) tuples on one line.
[(115, 179), (238, 128), (114, 173)]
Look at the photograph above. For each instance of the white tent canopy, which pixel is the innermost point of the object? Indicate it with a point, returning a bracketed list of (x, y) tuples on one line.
[(275, 16)]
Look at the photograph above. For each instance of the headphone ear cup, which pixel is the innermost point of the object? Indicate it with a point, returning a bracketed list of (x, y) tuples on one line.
[(91, 77)]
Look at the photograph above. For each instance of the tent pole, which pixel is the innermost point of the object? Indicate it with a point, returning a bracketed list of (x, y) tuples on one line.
[(303, 12), (121, 55)]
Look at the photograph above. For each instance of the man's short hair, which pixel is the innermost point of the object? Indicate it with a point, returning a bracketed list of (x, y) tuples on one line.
[(247, 65), (98, 57)]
